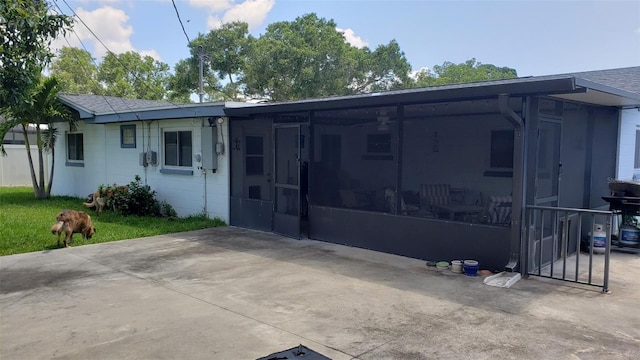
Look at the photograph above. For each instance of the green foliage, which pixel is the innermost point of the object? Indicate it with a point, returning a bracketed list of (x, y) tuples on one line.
[(127, 75), (469, 71), (44, 109), (139, 200), (226, 49), (167, 210), (26, 222), (386, 68), (130, 75), (26, 30), (296, 59), (76, 71), (304, 58), (184, 81), (134, 199)]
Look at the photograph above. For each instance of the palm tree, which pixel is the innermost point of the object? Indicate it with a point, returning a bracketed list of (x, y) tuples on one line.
[(43, 112)]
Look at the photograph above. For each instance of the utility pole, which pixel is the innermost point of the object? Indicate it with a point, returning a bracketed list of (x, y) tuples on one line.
[(201, 70)]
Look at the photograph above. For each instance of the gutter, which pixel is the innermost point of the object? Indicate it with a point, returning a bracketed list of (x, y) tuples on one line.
[(517, 204)]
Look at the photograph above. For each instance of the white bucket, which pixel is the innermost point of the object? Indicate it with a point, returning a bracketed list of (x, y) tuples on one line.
[(456, 266)]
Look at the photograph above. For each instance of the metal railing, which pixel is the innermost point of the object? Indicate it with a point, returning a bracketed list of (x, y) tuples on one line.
[(561, 244)]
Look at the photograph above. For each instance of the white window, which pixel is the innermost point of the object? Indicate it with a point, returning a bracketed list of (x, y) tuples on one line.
[(178, 149), (75, 149)]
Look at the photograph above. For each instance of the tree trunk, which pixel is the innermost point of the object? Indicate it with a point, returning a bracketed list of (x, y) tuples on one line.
[(36, 187), (43, 192), (53, 162)]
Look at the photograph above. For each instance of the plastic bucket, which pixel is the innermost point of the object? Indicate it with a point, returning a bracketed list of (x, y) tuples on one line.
[(470, 267), (456, 266)]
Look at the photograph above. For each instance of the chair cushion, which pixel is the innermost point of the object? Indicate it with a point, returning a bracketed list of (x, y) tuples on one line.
[(435, 194)]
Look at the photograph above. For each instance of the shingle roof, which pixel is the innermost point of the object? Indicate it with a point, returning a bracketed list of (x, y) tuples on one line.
[(627, 79), (98, 104)]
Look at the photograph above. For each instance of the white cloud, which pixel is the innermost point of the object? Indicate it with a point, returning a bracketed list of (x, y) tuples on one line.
[(253, 12), (153, 53), (99, 1), (422, 71), (351, 38), (110, 25), (213, 5), (213, 22)]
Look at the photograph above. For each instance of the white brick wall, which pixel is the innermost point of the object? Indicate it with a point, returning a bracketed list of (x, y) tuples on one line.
[(107, 163)]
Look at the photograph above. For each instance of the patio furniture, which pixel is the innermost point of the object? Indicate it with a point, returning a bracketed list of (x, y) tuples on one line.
[(434, 195), (462, 210), (406, 209), (498, 210)]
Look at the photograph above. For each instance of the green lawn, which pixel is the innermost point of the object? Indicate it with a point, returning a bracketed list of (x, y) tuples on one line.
[(25, 223)]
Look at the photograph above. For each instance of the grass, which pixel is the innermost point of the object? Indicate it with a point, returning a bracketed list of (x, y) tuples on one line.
[(25, 222)]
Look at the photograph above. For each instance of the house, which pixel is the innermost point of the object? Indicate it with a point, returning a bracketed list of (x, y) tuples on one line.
[(432, 173), (117, 139)]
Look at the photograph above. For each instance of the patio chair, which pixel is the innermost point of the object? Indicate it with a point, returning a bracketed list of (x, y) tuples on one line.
[(432, 195), (406, 209), (498, 210)]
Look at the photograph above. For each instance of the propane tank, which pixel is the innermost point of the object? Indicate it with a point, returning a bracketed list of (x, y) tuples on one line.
[(599, 239), (629, 235)]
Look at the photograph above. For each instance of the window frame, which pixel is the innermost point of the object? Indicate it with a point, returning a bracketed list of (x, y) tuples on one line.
[(75, 161), (497, 171), (179, 156), (129, 144), (379, 144), (496, 164)]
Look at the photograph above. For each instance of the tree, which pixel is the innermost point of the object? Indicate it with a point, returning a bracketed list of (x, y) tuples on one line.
[(304, 58), (26, 29), (469, 71), (309, 57), (183, 82), (386, 68), (45, 111), (224, 52), (130, 75), (76, 71)]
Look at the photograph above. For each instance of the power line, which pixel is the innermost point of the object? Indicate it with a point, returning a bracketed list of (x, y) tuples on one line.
[(108, 50), (180, 20), (94, 63)]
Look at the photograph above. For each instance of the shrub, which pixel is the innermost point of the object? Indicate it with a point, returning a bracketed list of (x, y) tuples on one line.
[(138, 200)]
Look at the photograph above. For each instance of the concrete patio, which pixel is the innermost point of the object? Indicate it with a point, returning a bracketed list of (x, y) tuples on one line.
[(230, 293)]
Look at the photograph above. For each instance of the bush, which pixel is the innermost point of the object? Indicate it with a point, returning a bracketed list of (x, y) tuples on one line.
[(135, 199)]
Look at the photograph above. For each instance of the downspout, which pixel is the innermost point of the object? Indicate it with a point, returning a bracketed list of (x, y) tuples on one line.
[(517, 205)]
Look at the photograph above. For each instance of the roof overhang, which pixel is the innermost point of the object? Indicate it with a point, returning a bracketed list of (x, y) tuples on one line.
[(599, 94), (565, 87), (178, 111)]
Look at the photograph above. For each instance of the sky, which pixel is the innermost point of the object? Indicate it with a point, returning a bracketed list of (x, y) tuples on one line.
[(532, 36)]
